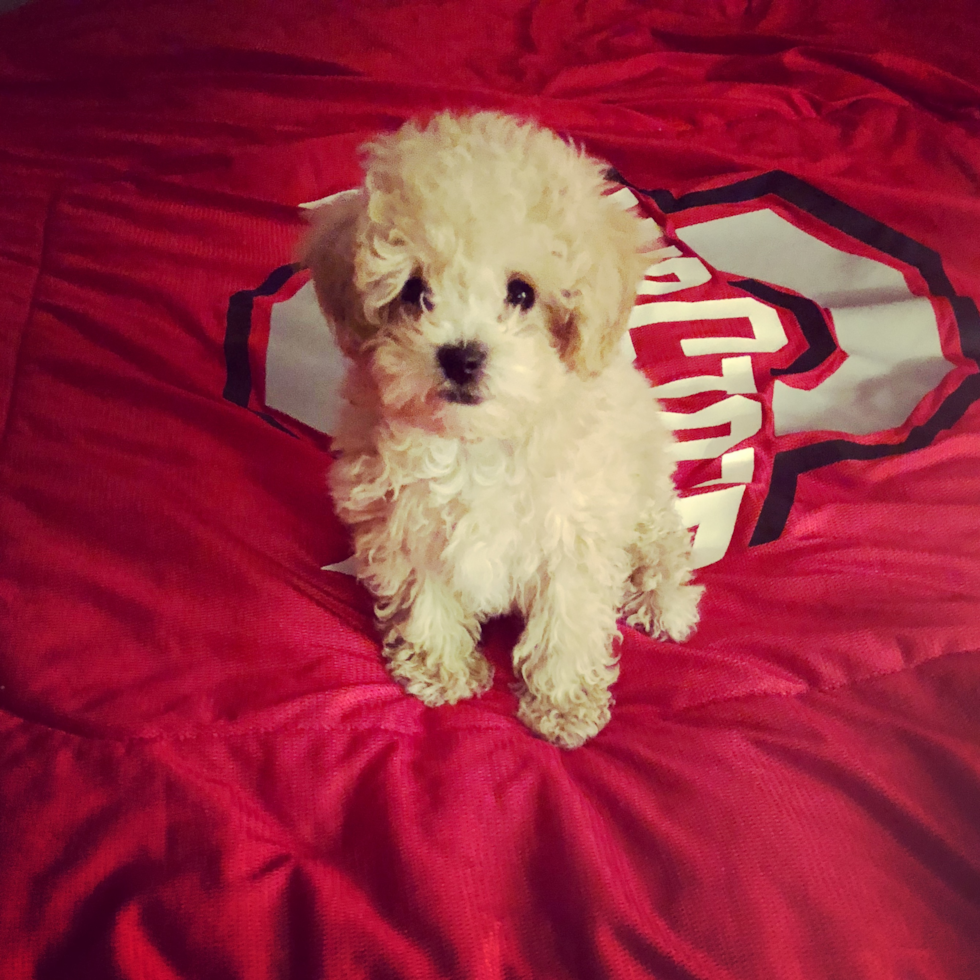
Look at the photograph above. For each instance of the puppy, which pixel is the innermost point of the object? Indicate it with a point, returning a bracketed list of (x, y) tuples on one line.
[(498, 451)]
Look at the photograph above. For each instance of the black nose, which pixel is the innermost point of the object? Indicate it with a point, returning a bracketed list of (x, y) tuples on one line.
[(462, 363)]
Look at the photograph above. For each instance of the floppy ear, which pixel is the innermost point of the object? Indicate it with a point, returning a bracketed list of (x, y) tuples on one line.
[(328, 252), (590, 322)]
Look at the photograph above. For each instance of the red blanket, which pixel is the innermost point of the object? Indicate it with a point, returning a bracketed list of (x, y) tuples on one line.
[(205, 771)]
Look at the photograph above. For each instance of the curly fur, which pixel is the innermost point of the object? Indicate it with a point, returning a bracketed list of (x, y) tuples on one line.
[(548, 487)]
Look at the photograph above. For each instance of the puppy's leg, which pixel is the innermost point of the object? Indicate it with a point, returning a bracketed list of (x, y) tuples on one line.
[(660, 597), (430, 644), (565, 654)]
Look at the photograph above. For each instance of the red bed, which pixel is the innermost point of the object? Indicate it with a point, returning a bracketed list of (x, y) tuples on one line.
[(205, 771)]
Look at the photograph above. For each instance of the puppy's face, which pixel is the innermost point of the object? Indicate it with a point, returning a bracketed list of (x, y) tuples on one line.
[(472, 342), (478, 271)]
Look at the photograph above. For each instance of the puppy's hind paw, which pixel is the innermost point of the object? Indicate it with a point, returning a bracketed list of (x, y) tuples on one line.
[(673, 613)]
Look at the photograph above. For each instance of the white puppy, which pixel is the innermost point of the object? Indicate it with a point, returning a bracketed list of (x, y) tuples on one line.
[(498, 452)]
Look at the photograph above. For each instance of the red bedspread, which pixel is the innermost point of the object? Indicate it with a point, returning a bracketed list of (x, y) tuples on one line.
[(205, 771)]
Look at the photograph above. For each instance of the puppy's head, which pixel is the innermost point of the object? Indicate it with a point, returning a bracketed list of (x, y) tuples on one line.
[(480, 268)]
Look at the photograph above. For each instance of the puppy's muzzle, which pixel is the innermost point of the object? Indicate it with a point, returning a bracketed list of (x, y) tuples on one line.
[(462, 366)]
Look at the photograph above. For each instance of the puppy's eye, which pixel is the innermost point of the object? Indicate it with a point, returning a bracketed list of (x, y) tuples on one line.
[(520, 293), (416, 293)]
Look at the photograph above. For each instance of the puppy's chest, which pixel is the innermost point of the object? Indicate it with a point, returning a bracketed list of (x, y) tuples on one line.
[(483, 522)]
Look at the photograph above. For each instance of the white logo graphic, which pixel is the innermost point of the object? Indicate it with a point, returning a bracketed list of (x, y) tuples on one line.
[(889, 338)]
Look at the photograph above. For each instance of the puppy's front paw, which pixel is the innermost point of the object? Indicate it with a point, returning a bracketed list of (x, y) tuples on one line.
[(437, 680), (567, 725)]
